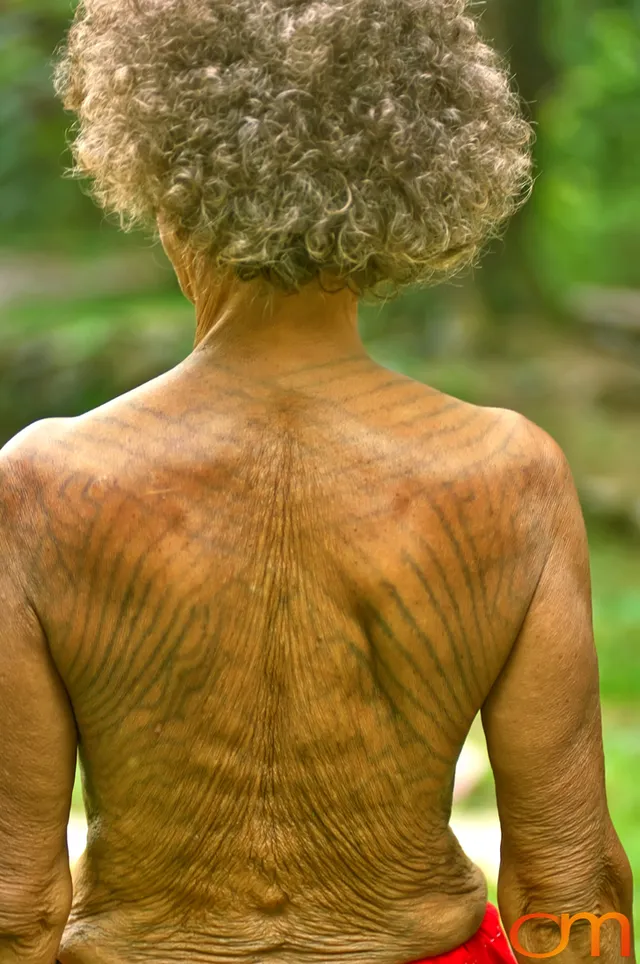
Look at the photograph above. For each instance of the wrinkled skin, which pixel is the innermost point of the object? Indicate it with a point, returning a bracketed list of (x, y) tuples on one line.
[(277, 605)]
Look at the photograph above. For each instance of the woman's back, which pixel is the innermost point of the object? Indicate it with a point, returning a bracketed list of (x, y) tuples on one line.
[(276, 621)]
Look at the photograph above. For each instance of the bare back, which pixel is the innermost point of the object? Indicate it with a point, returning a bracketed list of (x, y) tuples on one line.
[(277, 609)]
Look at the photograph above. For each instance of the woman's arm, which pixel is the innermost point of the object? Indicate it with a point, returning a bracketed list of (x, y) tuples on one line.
[(560, 852)]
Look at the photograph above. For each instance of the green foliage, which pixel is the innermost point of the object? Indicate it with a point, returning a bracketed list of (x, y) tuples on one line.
[(588, 194), (34, 198)]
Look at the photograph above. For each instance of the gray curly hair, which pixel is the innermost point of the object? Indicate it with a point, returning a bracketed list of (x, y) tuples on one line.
[(376, 140)]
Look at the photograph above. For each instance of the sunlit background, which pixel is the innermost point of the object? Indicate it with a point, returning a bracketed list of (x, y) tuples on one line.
[(549, 326)]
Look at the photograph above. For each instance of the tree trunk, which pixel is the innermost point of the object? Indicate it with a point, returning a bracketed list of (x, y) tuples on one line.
[(506, 279)]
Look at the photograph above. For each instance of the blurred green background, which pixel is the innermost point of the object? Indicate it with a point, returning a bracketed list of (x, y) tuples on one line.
[(549, 325)]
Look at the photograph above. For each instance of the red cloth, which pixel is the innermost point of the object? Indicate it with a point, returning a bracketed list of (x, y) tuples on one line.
[(488, 945)]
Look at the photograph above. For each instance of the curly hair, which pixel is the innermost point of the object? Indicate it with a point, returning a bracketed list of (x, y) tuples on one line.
[(377, 140)]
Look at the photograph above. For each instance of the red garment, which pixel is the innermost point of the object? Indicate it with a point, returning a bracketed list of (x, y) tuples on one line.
[(488, 945)]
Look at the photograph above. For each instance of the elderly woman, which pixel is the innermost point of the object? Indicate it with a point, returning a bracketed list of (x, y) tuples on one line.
[(266, 594)]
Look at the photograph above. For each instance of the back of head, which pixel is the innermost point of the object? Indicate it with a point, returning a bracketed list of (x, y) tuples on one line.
[(375, 140)]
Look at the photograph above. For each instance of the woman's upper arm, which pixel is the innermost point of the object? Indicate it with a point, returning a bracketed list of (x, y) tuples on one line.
[(543, 726)]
